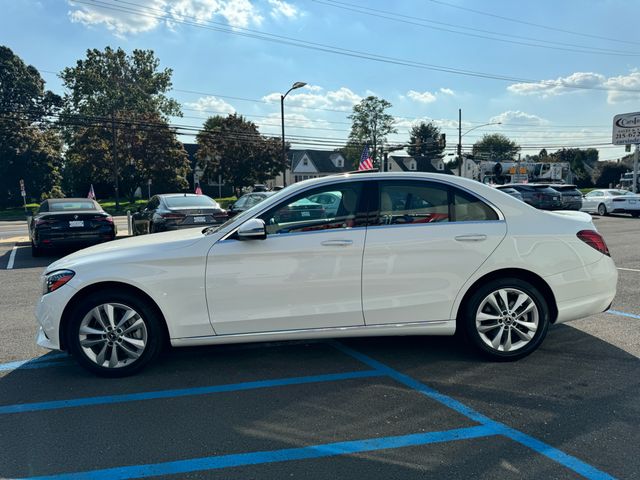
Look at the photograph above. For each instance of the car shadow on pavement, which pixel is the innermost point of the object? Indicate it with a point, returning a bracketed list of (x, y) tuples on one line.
[(576, 393), (23, 258)]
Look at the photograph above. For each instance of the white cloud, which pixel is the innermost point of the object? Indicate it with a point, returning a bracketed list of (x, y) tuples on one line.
[(424, 97), (341, 99), (629, 82), (280, 8), (120, 23), (211, 106), (237, 13), (561, 86), (447, 91), (547, 88), (516, 117)]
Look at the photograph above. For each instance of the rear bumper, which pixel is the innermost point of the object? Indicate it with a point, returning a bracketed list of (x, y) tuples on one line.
[(52, 240), (584, 291)]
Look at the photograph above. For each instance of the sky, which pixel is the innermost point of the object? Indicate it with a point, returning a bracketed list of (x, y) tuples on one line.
[(553, 73)]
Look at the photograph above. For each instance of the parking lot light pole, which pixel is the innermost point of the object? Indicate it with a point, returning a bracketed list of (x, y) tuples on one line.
[(284, 149)]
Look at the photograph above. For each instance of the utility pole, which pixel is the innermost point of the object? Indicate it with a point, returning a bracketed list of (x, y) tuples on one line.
[(115, 158), (635, 170), (459, 142)]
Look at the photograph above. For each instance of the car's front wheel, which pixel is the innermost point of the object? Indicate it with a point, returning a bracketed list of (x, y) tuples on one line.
[(114, 333), (506, 319)]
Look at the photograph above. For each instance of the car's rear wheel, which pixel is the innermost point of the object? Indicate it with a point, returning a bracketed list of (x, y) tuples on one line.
[(114, 333), (602, 209), (506, 319)]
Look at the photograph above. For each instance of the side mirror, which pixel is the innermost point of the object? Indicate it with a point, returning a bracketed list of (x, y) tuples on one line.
[(253, 229)]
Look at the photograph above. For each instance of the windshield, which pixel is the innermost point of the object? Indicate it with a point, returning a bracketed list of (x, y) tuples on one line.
[(197, 201)]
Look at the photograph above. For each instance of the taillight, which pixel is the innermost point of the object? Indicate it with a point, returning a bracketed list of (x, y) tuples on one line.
[(595, 240), (44, 221), (108, 219)]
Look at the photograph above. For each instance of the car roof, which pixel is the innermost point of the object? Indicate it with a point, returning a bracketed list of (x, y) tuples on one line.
[(169, 195), (70, 199)]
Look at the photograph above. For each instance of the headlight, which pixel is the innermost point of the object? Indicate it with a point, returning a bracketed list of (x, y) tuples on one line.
[(54, 280)]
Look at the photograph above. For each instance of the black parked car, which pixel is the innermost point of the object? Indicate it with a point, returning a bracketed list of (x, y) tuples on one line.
[(247, 201), (537, 195), (570, 196), (69, 222), (175, 211)]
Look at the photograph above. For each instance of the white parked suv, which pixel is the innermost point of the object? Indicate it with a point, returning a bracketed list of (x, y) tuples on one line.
[(403, 253)]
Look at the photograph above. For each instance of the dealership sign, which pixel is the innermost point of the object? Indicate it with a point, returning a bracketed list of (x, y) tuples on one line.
[(626, 129)]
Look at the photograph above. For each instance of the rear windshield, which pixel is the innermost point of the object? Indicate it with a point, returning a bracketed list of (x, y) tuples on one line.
[(63, 206), (199, 201), (616, 193)]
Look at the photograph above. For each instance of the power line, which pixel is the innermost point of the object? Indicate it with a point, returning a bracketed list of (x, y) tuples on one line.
[(532, 24), (281, 39), (416, 21)]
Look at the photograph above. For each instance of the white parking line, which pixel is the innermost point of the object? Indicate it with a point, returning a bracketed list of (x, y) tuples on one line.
[(629, 269), (12, 257)]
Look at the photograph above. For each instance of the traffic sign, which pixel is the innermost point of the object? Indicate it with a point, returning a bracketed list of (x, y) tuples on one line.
[(626, 129)]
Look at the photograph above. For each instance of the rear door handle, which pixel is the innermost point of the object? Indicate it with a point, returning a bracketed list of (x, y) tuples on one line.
[(471, 238), (336, 243)]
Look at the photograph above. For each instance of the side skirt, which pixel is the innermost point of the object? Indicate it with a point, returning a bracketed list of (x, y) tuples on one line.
[(444, 327)]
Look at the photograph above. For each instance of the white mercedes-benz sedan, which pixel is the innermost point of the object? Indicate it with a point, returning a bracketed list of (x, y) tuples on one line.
[(401, 254)]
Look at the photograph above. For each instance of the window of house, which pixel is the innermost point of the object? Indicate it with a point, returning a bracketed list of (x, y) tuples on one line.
[(340, 162), (412, 166), (305, 161), (304, 213)]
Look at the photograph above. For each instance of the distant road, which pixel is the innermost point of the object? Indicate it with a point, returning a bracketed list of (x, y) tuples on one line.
[(18, 228)]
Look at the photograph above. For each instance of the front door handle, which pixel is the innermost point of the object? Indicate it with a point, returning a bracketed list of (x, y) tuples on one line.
[(471, 238), (336, 243)]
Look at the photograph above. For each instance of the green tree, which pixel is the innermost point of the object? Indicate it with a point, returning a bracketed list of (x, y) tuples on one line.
[(582, 163), (234, 148), (608, 173), (495, 147), (29, 148), (370, 124), (425, 140), (113, 97), (351, 152)]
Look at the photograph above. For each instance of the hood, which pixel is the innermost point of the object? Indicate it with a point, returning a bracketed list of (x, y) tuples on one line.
[(129, 247)]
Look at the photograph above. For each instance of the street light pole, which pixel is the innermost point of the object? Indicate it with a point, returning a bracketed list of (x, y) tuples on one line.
[(284, 148), (460, 135)]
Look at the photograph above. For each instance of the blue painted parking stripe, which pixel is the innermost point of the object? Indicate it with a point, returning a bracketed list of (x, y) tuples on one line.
[(542, 448), (623, 314), (285, 455), (39, 362), (184, 392)]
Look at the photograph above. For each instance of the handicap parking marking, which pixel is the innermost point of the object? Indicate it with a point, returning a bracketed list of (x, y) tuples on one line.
[(285, 455), (622, 314), (184, 392), (573, 463)]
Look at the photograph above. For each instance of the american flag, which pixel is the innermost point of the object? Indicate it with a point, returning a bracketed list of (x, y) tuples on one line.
[(365, 160), (91, 194)]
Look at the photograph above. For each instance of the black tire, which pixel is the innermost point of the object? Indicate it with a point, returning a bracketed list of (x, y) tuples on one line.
[(602, 210), (468, 325), (635, 214), (35, 251), (155, 332)]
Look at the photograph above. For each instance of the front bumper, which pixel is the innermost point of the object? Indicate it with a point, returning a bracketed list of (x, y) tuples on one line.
[(49, 314), (584, 291)]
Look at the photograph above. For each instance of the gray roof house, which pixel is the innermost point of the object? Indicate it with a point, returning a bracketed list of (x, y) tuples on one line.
[(397, 163), (313, 164)]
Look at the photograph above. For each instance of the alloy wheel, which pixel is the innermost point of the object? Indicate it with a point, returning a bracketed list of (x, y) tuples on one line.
[(113, 335), (507, 319)]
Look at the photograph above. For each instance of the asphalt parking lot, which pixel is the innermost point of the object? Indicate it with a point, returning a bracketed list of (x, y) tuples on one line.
[(415, 407)]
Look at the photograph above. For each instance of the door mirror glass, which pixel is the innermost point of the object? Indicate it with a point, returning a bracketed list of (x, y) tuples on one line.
[(253, 229)]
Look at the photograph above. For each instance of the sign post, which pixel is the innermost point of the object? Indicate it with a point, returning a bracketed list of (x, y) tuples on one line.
[(24, 195), (626, 131)]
